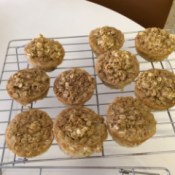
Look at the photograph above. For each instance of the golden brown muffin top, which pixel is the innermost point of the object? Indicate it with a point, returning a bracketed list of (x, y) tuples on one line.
[(44, 50), (81, 126), (158, 85), (28, 83), (117, 67), (30, 133), (74, 86), (130, 120), (107, 38), (155, 41)]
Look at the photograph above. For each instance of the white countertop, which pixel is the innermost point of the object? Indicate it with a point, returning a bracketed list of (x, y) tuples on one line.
[(27, 18)]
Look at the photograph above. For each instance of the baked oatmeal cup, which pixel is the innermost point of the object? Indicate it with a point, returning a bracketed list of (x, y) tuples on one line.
[(44, 53), (117, 68), (79, 131), (74, 86), (130, 122), (29, 134), (155, 44), (105, 38), (156, 88), (28, 85)]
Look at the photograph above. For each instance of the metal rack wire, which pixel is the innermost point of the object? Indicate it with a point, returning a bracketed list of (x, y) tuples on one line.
[(79, 54), (36, 170)]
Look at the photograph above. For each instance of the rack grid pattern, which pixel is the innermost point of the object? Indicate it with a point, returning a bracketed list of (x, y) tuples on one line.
[(79, 54)]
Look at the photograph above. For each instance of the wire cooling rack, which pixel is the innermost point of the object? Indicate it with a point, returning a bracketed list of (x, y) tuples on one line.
[(79, 54), (84, 170)]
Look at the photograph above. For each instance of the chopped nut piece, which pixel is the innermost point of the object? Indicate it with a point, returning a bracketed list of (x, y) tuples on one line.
[(44, 53), (158, 90), (79, 131), (74, 87), (134, 125), (29, 134)]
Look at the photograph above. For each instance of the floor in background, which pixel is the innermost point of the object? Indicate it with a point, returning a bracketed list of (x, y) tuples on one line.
[(170, 23)]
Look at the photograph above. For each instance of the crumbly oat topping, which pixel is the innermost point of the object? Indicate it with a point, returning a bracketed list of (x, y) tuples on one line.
[(30, 133), (117, 67), (74, 86), (157, 85), (28, 84), (108, 37), (82, 129), (156, 41), (81, 125), (44, 50), (130, 120)]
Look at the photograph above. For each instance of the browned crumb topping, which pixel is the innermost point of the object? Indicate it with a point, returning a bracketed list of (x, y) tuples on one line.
[(28, 83), (157, 84), (74, 86), (81, 126), (117, 67), (44, 50), (108, 37), (156, 41), (130, 120), (30, 133)]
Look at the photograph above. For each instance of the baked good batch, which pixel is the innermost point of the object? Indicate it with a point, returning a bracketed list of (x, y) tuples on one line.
[(105, 38), (154, 44), (117, 68), (129, 122), (74, 86), (28, 85), (30, 133), (79, 131), (156, 88), (44, 53)]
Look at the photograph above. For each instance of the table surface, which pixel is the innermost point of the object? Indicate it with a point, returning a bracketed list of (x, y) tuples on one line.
[(28, 18)]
